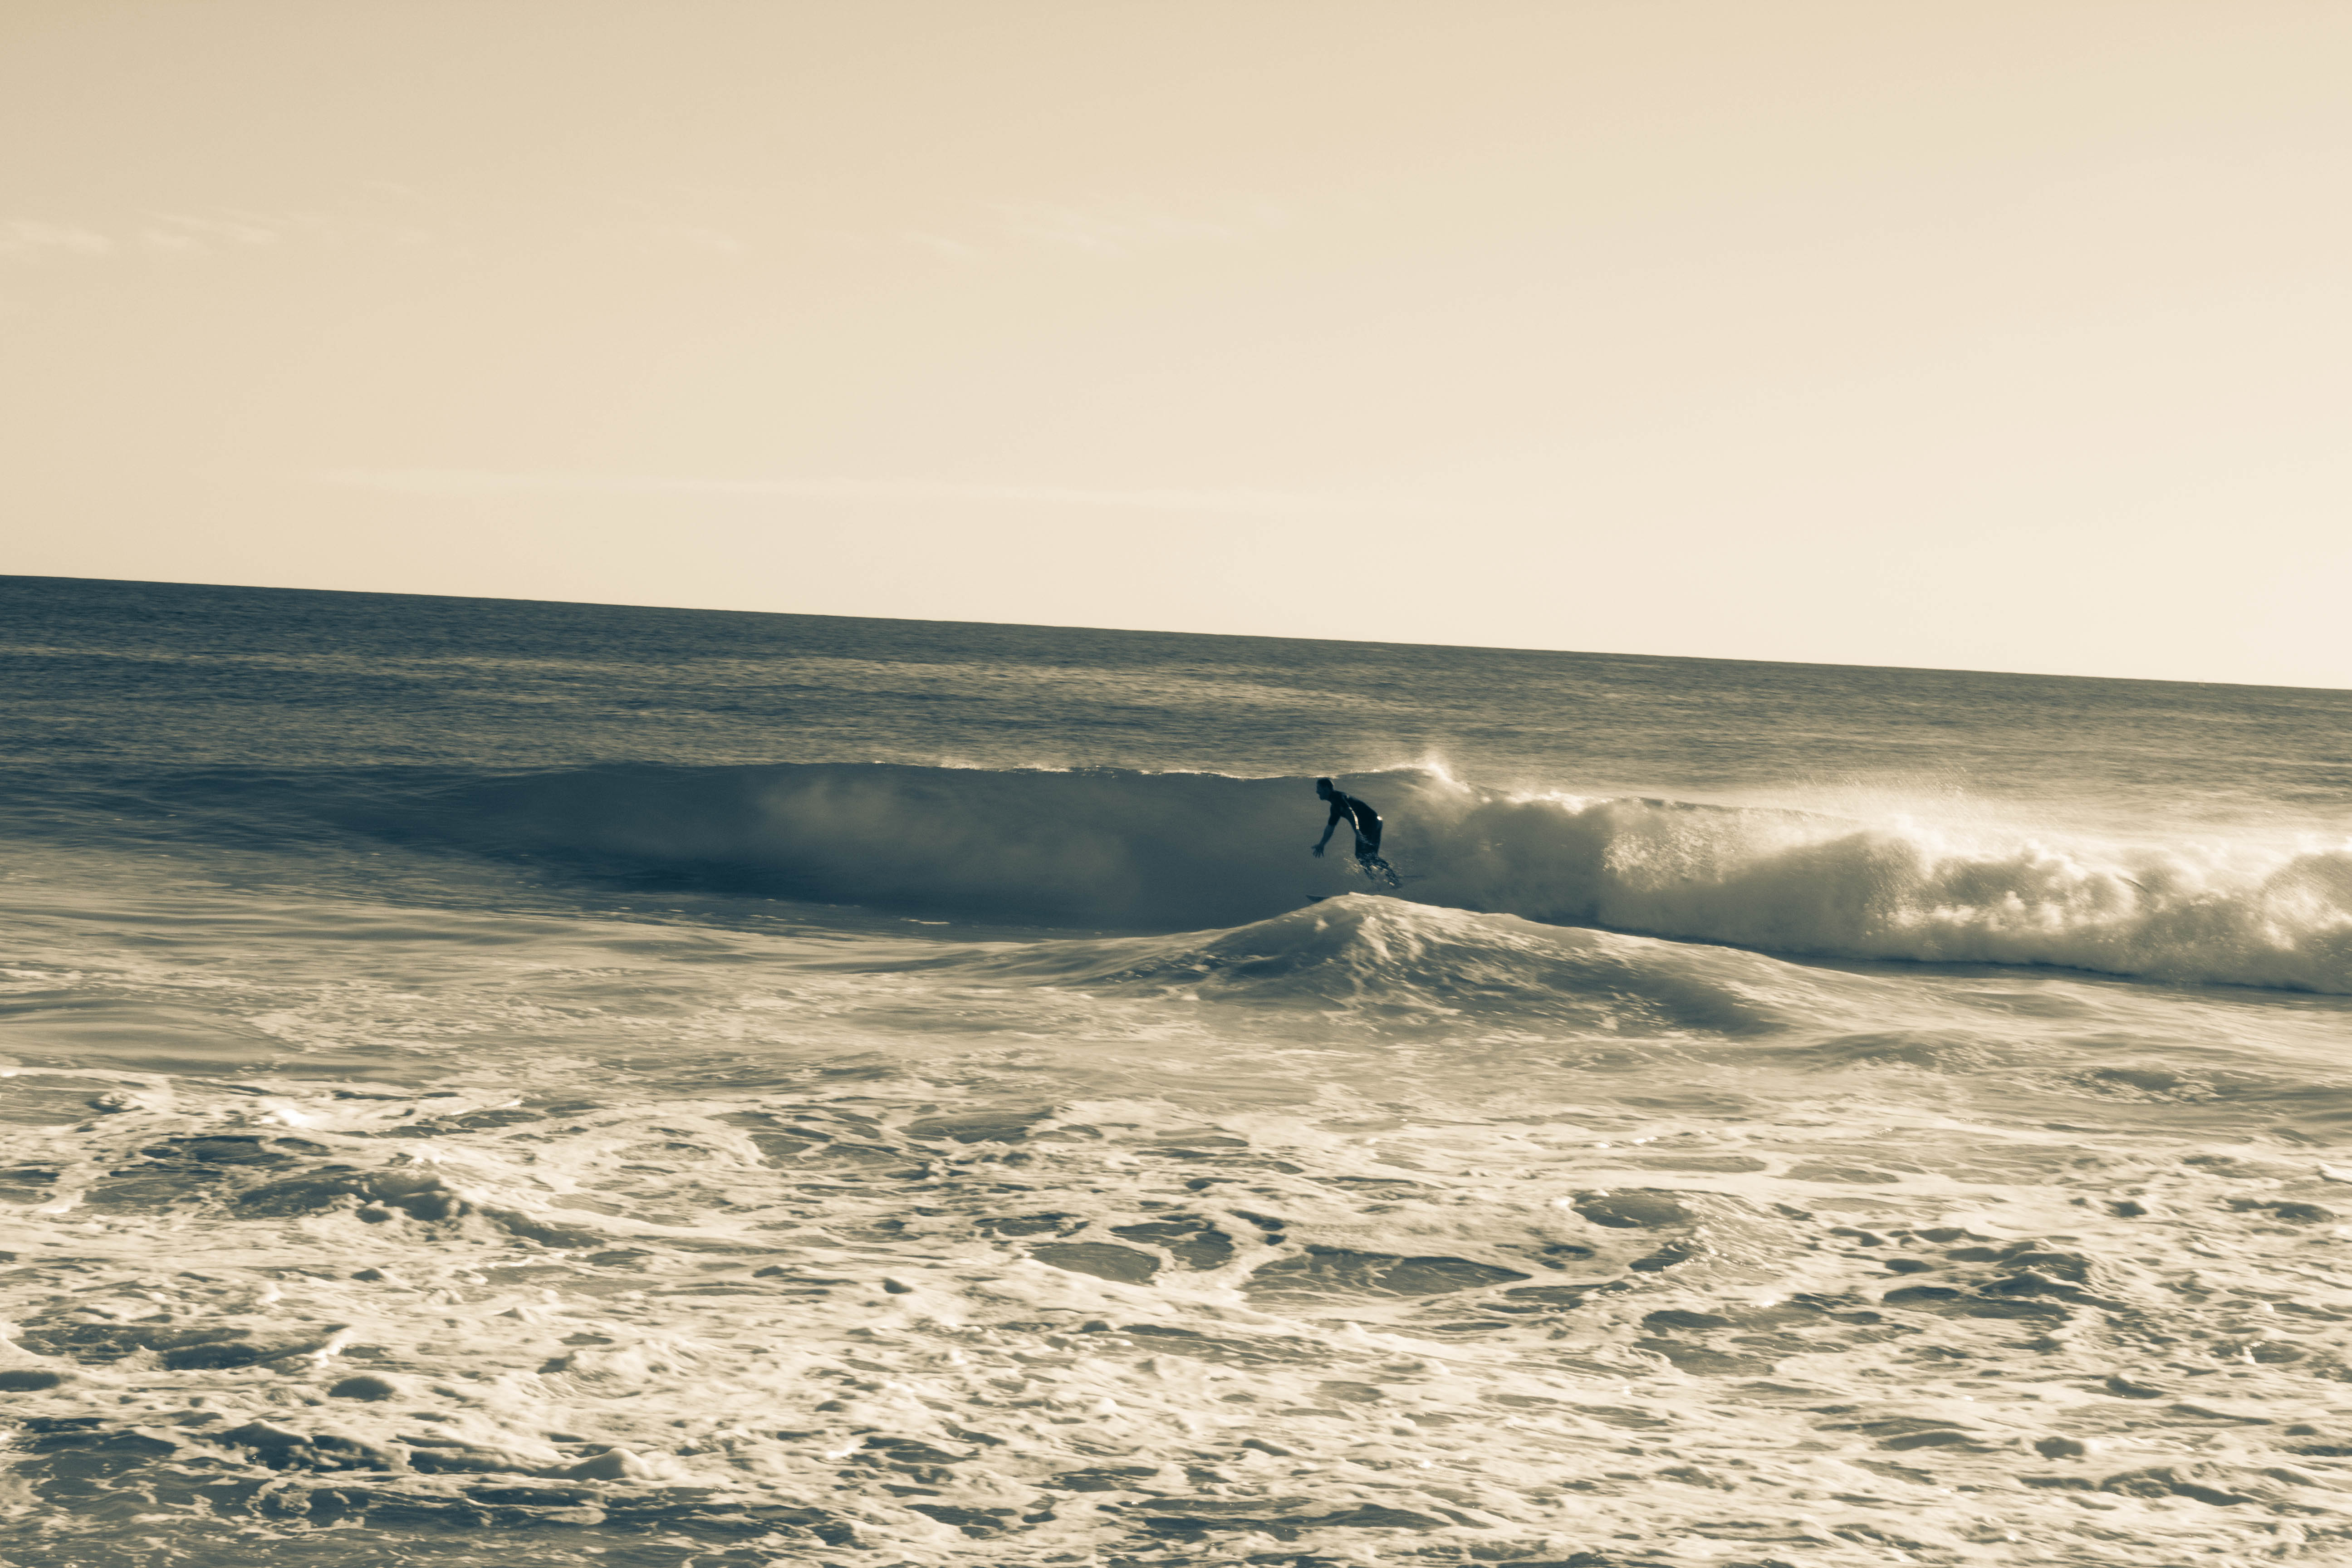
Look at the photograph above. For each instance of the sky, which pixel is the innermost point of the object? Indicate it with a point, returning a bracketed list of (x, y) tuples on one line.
[(1970, 334)]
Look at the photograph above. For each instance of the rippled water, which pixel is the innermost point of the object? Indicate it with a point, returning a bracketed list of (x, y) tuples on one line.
[(506, 1083)]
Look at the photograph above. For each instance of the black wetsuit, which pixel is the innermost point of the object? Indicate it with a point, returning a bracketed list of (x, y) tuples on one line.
[(1362, 819)]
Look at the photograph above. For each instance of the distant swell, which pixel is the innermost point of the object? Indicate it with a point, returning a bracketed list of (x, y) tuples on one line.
[(1174, 851)]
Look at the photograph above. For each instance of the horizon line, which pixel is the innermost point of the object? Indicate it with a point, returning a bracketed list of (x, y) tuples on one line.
[(1169, 631)]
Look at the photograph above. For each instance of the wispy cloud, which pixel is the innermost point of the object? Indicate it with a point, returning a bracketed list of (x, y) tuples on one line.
[(167, 234), (695, 237), (461, 482), (1118, 228), (188, 234), (1112, 229), (32, 239), (961, 250)]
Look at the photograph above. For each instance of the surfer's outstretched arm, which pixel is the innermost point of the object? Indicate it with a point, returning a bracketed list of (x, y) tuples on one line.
[(1338, 810), (1323, 791)]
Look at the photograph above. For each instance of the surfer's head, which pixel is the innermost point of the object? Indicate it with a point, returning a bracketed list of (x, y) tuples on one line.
[(1323, 788)]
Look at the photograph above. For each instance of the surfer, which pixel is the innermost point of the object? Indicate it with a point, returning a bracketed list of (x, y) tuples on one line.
[(1367, 823)]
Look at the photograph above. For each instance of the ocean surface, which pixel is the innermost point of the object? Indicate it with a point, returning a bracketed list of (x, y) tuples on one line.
[(504, 1084)]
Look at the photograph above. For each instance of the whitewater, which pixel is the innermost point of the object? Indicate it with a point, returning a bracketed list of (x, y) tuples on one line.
[(498, 1083)]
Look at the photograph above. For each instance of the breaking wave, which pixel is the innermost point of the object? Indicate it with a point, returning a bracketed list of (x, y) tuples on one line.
[(1112, 849)]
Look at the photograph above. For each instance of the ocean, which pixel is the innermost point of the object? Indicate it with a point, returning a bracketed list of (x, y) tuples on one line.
[(512, 1084)]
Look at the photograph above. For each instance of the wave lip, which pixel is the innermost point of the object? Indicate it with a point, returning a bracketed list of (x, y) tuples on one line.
[(1112, 849), (1912, 892)]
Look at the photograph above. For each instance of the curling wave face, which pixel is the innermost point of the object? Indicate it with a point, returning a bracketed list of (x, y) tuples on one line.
[(1172, 852)]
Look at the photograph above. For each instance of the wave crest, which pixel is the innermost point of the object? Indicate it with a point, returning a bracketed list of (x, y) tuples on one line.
[(1174, 851)]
